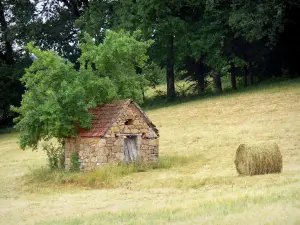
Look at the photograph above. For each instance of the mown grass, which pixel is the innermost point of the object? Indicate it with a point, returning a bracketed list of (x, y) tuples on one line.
[(157, 98), (222, 209), (202, 188)]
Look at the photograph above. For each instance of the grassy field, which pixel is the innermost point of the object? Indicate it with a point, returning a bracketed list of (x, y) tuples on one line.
[(204, 190)]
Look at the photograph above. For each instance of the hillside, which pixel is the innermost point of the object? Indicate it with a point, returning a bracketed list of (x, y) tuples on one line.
[(204, 190)]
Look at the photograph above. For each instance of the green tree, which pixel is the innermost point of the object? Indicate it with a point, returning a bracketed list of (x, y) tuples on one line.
[(163, 22), (262, 31), (53, 26), (258, 19), (207, 39), (14, 17), (154, 74), (58, 96), (98, 17), (118, 58), (50, 24), (151, 76)]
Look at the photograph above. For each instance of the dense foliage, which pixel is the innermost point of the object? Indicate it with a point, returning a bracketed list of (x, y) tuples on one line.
[(197, 39), (117, 58), (58, 96)]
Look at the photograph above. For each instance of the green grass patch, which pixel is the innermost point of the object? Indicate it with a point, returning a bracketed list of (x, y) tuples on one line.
[(103, 177)]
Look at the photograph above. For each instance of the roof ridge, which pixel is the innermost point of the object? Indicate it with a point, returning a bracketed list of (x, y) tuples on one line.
[(126, 104), (105, 115), (146, 118)]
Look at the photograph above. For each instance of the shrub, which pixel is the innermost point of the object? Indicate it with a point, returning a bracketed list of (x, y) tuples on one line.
[(55, 155), (184, 89)]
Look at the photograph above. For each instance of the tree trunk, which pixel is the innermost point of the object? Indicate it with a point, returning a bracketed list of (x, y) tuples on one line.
[(170, 70), (200, 76), (218, 83), (246, 71), (233, 79), (246, 74), (8, 56), (251, 79)]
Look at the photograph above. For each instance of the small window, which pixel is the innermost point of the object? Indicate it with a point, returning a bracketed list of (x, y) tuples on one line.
[(129, 122)]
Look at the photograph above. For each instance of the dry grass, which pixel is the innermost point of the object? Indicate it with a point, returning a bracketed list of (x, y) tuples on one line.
[(109, 176), (255, 159), (206, 190)]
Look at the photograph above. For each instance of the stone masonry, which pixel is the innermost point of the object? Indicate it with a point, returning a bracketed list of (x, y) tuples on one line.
[(97, 151)]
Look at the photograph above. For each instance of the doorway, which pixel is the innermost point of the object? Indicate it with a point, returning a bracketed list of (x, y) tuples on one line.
[(130, 149)]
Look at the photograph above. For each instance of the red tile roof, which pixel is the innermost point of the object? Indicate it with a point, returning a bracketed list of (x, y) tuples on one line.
[(105, 115)]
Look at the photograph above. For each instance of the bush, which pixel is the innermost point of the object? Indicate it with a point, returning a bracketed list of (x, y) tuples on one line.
[(55, 154), (184, 89)]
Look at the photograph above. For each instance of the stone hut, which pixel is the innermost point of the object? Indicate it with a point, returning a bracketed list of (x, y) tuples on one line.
[(121, 132)]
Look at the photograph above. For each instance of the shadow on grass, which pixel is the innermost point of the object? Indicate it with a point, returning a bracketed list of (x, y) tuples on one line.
[(161, 101), (103, 177), (8, 136), (7, 130)]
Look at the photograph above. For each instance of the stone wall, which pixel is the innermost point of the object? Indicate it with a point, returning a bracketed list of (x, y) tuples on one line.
[(149, 149), (95, 151), (72, 145), (139, 125)]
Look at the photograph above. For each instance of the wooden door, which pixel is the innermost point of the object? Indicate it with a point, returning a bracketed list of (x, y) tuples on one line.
[(130, 149)]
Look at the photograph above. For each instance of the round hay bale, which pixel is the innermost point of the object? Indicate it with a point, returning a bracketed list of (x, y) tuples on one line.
[(258, 159)]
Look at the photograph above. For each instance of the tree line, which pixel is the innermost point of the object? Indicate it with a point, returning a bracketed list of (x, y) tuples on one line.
[(197, 39)]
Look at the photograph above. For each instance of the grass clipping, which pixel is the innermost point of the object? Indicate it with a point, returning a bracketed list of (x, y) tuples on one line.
[(258, 159)]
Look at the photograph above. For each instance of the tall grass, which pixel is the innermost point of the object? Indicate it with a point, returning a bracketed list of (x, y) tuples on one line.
[(103, 177)]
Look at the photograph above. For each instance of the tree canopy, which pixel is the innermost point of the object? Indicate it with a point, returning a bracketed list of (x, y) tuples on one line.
[(252, 40), (58, 96)]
